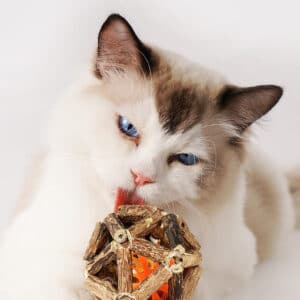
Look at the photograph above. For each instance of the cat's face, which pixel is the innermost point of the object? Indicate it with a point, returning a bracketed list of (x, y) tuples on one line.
[(157, 124), (136, 141)]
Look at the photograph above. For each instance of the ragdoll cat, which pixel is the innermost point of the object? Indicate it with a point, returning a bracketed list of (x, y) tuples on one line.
[(149, 121)]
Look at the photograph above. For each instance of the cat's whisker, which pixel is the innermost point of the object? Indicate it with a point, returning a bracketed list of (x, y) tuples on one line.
[(149, 67)]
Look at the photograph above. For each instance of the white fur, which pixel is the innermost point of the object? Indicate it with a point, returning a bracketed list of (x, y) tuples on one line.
[(41, 254)]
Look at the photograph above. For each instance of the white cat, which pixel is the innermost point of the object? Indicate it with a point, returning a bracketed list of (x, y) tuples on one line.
[(150, 121)]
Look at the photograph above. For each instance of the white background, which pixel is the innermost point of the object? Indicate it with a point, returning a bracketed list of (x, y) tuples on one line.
[(44, 44)]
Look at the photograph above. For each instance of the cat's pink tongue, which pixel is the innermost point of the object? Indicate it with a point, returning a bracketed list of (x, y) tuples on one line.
[(125, 197)]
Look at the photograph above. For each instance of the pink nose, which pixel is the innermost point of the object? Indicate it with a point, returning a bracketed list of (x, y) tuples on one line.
[(140, 179)]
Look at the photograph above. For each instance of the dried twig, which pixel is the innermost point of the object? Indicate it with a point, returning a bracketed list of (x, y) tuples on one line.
[(148, 232)]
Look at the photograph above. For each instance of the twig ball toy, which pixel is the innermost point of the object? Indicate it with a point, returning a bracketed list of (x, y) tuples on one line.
[(140, 253)]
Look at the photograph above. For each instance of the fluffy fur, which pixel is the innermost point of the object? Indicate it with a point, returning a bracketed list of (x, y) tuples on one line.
[(235, 201), (294, 183)]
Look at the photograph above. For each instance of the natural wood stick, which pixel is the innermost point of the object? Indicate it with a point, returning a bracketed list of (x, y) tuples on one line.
[(108, 255), (173, 235), (152, 283), (124, 296), (188, 236), (172, 230), (116, 228), (148, 249), (175, 287), (190, 282), (97, 241), (135, 212), (101, 289), (101, 260), (158, 233), (106, 275), (146, 225), (124, 264), (191, 259)]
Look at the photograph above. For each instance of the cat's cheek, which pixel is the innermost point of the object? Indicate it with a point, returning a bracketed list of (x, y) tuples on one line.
[(183, 182), (113, 177)]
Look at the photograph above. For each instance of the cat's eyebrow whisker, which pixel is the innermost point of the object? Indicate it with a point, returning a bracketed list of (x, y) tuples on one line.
[(214, 147), (225, 124), (211, 125), (148, 64), (111, 64)]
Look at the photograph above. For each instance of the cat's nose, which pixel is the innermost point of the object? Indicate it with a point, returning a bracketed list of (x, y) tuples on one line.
[(140, 179)]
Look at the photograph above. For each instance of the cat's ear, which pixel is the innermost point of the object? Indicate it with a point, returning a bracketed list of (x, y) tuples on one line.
[(120, 50), (243, 106)]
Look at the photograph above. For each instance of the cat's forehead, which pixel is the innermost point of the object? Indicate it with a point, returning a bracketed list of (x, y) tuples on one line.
[(180, 94), (184, 92), (154, 137), (180, 106)]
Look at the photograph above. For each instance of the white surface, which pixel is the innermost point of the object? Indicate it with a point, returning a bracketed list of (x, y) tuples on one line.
[(45, 43)]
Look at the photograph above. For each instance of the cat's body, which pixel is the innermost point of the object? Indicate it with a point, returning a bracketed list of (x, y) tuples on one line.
[(235, 201)]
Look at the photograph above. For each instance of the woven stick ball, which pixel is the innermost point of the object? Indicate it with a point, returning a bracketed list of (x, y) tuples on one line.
[(140, 253)]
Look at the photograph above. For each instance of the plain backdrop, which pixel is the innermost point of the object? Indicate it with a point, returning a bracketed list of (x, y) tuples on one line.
[(44, 45)]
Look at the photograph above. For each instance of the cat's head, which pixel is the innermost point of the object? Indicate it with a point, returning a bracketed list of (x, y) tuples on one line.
[(153, 122)]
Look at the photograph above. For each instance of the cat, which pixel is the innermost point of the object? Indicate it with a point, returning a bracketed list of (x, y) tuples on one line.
[(149, 121)]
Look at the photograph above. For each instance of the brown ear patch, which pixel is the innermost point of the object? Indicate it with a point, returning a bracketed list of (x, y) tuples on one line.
[(119, 49), (244, 106)]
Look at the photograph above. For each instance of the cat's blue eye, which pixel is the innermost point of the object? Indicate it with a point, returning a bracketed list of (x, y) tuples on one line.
[(188, 159), (127, 127)]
